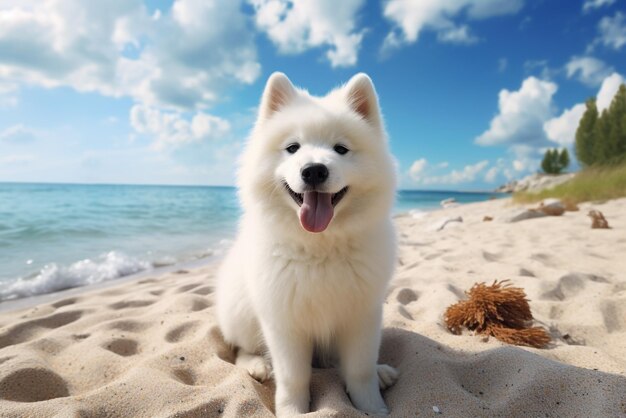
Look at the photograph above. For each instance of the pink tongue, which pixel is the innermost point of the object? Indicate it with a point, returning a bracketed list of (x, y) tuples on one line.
[(316, 211)]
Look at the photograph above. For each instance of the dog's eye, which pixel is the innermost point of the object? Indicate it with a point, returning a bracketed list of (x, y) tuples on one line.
[(340, 149), (291, 149)]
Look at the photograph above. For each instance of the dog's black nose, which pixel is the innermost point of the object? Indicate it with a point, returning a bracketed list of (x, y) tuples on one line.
[(314, 174)]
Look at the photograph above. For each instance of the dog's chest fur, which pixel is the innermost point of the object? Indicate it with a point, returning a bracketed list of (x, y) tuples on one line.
[(321, 286)]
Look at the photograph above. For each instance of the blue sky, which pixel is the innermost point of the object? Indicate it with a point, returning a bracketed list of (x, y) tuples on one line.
[(165, 92)]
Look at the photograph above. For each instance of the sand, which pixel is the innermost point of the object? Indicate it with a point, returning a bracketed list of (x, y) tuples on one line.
[(151, 348)]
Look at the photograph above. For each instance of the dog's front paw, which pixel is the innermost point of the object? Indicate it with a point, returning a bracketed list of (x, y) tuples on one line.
[(292, 405), (365, 396), (387, 375), (289, 411), (372, 407)]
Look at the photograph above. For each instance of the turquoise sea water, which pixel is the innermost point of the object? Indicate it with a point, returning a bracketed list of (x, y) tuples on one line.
[(57, 236)]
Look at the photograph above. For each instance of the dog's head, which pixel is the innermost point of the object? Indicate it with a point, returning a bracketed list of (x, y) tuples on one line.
[(321, 158)]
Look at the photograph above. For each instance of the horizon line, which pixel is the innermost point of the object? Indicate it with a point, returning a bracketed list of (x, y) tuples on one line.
[(214, 185)]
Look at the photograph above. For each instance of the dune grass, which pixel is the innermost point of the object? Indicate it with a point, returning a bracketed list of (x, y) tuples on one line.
[(591, 184)]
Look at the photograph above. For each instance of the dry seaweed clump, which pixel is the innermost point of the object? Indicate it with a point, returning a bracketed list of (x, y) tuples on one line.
[(598, 221), (500, 311)]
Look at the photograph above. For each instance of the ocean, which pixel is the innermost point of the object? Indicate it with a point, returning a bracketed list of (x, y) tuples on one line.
[(59, 236)]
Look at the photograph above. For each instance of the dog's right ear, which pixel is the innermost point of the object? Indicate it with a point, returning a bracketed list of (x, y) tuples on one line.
[(278, 92)]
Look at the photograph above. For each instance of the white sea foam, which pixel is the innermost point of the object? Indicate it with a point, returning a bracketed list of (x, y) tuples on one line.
[(223, 246), (417, 214), (52, 277)]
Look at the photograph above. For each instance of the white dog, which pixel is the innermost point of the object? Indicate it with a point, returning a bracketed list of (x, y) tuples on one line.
[(316, 244)]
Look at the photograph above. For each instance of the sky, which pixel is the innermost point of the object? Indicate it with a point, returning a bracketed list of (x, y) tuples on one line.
[(165, 92)]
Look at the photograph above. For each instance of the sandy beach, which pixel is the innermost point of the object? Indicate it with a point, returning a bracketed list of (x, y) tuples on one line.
[(151, 347)]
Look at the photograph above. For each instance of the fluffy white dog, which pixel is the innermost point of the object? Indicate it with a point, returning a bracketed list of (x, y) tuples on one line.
[(316, 244)]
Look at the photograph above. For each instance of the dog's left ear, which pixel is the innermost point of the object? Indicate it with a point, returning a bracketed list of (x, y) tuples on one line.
[(362, 98)]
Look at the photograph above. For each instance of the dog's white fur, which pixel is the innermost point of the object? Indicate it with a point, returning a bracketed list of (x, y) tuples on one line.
[(287, 291)]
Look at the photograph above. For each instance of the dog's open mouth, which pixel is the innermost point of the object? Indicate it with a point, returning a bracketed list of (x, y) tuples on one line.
[(299, 197), (316, 208)]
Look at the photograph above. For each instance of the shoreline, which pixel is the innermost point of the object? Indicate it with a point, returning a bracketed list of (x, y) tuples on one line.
[(13, 305), (34, 300)]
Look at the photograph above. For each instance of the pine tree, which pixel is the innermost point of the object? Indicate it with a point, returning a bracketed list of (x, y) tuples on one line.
[(563, 160), (554, 161), (622, 136), (585, 134), (546, 163), (601, 145), (615, 113), (601, 139)]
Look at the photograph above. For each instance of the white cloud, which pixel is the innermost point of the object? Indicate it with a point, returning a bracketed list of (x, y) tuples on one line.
[(297, 25), (182, 59), (18, 134), (612, 31), (609, 87), (526, 158), (519, 165), (504, 168), (491, 175), (170, 129), (468, 174), (457, 35), (16, 159), (410, 18), (521, 114), (588, 70), (8, 96), (596, 4), (562, 129), (522, 159), (423, 172), (417, 169)]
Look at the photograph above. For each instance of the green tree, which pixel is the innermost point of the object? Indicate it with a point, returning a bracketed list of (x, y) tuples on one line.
[(601, 146), (616, 131), (563, 162), (601, 139), (585, 134), (546, 163), (554, 162)]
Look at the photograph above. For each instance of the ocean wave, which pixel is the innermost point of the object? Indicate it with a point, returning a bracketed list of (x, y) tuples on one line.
[(53, 277)]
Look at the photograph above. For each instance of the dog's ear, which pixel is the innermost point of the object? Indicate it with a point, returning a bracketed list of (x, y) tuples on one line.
[(362, 98), (278, 92)]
